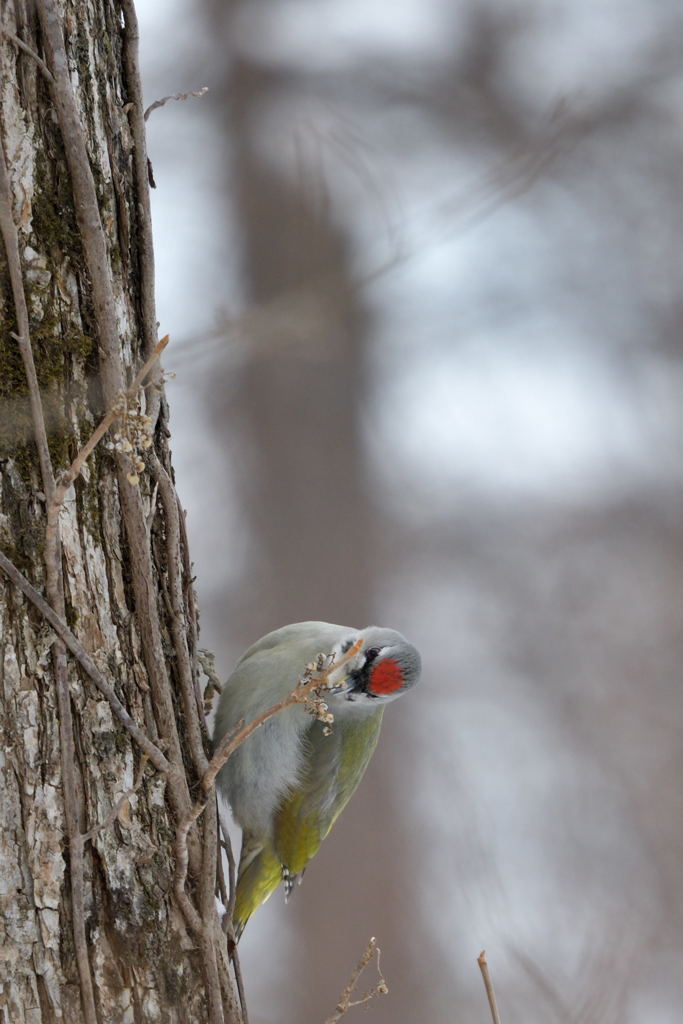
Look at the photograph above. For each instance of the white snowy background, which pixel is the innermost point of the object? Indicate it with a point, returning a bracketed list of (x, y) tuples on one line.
[(507, 180)]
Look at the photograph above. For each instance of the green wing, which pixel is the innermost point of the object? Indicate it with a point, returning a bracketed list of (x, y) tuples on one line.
[(334, 766), (260, 874)]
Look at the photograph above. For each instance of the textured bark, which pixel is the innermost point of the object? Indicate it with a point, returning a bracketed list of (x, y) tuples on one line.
[(143, 960)]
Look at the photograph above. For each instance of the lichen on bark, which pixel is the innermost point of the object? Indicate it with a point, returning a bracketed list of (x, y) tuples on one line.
[(142, 960)]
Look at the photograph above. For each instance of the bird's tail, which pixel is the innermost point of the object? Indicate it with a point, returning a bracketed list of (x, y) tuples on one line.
[(259, 875)]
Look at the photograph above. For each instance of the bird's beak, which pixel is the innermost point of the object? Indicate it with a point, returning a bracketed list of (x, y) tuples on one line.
[(343, 685), (339, 679), (343, 680)]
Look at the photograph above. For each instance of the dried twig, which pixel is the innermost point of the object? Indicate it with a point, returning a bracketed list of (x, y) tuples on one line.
[(115, 412), (145, 245), (314, 680), (71, 793), (207, 905), (176, 96), (115, 812), (86, 203), (191, 614), (229, 904), (57, 492), (184, 664), (380, 989), (232, 873), (11, 241), (488, 985), (60, 627), (21, 45)]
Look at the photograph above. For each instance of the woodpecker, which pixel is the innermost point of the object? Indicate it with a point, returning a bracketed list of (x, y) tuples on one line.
[(289, 781)]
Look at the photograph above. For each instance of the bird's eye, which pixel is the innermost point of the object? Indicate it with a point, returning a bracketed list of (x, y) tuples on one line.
[(371, 654)]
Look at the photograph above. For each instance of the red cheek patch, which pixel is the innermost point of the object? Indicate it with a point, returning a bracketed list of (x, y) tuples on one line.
[(386, 677)]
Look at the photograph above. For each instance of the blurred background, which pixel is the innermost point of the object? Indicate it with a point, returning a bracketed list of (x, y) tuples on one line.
[(421, 266)]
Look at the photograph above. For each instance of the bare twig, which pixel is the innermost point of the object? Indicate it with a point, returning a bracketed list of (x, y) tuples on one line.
[(86, 203), (101, 429), (71, 793), (229, 912), (176, 96), (11, 240), (21, 45), (221, 884), (85, 837), (380, 989), (158, 759), (191, 706), (232, 872), (190, 607), (207, 663), (311, 682), (240, 984), (207, 904), (145, 244), (488, 985)]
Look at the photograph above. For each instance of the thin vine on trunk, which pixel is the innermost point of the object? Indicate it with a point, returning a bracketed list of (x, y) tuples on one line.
[(102, 729)]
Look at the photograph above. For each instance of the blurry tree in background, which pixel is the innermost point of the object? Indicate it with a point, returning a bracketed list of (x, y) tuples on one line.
[(296, 413), (451, 403)]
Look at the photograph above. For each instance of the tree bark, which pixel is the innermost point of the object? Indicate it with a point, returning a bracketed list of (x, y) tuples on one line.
[(90, 928)]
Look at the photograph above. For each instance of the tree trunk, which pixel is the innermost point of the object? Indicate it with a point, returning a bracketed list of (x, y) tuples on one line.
[(90, 929)]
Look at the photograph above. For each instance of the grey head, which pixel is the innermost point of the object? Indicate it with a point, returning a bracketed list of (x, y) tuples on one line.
[(385, 667)]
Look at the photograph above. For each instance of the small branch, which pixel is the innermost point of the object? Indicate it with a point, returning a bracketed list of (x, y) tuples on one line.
[(84, 659), (240, 984), (8, 229), (311, 682), (71, 793), (191, 615), (176, 96), (85, 837), (232, 871), (98, 433), (194, 714), (207, 905), (57, 492), (221, 885), (86, 200), (21, 45), (207, 664), (488, 985), (131, 39), (229, 904), (381, 989)]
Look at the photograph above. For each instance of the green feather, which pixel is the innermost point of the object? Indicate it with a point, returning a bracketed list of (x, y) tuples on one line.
[(334, 765), (259, 875)]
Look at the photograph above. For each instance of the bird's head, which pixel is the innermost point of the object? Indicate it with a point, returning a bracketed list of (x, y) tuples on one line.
[(384, 668)]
